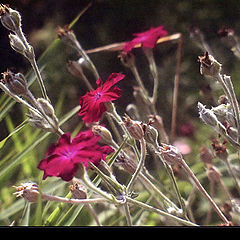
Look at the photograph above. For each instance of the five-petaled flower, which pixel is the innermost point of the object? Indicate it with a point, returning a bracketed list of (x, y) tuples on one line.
[(146, 39), (62, 159), (93, 103)]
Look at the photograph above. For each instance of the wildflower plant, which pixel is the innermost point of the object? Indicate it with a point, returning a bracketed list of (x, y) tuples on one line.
[(105, 159)]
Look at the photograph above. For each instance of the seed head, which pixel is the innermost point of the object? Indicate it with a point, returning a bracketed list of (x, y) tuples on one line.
[(209, 66), (10, 18), (134, 128), (28, 190), (16, 83), (171, 154)]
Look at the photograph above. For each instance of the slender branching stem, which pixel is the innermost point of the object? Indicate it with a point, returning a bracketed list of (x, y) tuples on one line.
[(204, 193), (160, 212), (140, 164), (72, 201), (175, 90)]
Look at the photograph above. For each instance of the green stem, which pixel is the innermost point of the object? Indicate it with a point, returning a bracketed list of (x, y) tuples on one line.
[(160, 212), (180, 200), (230, 170), (31, 58), (87, 59), (97, 190), (204, 193), (127, 213), (140, 164)]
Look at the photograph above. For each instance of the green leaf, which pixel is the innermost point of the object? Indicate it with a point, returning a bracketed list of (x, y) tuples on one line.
[(18, 128)]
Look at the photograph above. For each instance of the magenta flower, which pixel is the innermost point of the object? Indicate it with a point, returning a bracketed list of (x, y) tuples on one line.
[(92, 103), (62, 159), (146, 39)]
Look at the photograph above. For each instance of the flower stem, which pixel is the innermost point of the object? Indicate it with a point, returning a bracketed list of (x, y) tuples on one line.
[(160, 212), (127, 213), (32, 60), (203, 191), (230, 170), (72, 201), (175, 90), (140, 164), (97, 190), (153, 68), (87, 59)]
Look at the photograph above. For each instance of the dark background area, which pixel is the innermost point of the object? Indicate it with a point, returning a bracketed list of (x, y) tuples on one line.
[(106, 22)]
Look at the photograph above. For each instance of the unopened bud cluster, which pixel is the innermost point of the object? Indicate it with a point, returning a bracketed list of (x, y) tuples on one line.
[(220, 118), (48, 121), (11, 19)]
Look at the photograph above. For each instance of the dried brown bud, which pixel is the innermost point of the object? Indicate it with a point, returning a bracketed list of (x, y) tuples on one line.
[(171, 155), (78, 191), (209, 66), (134, 128), (223, 99), (213, 174), (10, 18), (28, 190), (150, 134), (104, 133), (127, 59), (67, 36), (127, 162), (220, 149), (16, 83), (206, 155)]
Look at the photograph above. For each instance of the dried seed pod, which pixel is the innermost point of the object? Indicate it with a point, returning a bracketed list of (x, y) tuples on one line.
[(11, 19), (104, 133), (171, 155), (209, 66), (16, 83), (206, 155), (28, 190), (134, 128)]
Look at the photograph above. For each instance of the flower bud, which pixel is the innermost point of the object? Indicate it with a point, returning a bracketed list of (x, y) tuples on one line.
[(127, 59), (40, 121), (16, 43), (127, 162), (28, 190), (206, 155), (47, 107), (104, 133), (209, 66), (150, 134), (171, 155), (213, 174), (207, 116), (134, 128), (67, 36), (78, 191), (10, 18), (220, 149), (16, 83)]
